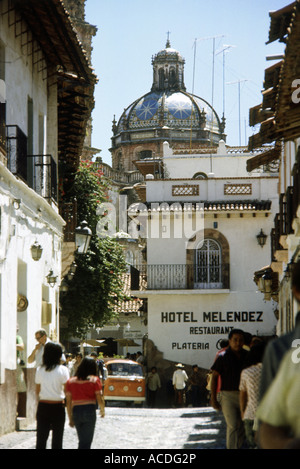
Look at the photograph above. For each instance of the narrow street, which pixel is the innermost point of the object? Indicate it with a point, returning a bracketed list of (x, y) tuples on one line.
[(126, 428)]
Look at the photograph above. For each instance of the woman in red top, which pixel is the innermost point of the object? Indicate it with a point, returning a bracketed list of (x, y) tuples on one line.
[(83, 392)]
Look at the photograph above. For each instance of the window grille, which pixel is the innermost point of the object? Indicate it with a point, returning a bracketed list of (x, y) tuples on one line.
[(208, 265)]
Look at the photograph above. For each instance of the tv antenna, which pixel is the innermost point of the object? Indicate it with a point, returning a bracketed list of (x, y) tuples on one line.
[(239, 92), (225, 49)]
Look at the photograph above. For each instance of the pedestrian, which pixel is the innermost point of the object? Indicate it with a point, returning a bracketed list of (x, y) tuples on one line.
[(37, 353), (277, 348), (69, 362), (229, 366), (100, 366), (21, 383), (77, 361), (50, 380), (83, 393), (278, 412), (179, 380), (195, 381), (249, 391), (140, 358), (279, 424), (153, 384)]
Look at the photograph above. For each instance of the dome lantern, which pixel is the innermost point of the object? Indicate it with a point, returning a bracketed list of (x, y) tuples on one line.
[(168, 70)]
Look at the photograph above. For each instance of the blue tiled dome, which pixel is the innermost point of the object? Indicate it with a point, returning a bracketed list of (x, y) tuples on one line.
[(172, 109), (168, 107)]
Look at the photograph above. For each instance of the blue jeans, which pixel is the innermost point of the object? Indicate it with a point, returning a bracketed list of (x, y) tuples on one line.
[(84, 417)]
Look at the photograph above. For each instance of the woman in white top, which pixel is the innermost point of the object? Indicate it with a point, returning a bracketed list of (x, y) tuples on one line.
[(50, 381)]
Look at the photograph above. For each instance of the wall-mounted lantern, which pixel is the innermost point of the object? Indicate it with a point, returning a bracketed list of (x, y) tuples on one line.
[(36, 251), (261, 238), (72, 271), (64, 286), (83, 235), (51, 278)]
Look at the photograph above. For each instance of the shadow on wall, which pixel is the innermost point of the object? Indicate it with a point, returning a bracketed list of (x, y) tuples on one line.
[(165, 369)]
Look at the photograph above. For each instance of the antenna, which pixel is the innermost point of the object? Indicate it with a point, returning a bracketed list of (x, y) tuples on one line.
[(213, 69), (226, 48), (239, 91)]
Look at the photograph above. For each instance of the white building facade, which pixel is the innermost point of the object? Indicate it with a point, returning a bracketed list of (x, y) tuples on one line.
[(201, 226), (34, 66)]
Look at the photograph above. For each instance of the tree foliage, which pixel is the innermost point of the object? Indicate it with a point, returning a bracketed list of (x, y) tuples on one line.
[(96, 286)]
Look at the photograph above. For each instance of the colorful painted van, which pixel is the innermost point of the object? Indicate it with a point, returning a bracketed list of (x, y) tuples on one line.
[(124, 381)]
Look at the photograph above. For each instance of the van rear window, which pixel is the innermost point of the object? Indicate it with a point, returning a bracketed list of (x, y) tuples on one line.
[(124, 369)]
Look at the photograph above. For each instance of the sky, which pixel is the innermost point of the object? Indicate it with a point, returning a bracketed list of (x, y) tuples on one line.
[(131, 32)]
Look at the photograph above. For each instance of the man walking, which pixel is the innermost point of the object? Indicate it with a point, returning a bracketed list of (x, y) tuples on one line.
[(179, 382), (229, 367)]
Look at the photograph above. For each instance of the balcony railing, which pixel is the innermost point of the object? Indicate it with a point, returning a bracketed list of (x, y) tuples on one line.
[(170, 277), (2, 127), (68, 211), (38, 171), (16, 142), (286, 212), (283, 221), (42, 176)]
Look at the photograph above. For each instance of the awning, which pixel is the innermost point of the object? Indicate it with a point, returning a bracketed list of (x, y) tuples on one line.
[(93, 343)]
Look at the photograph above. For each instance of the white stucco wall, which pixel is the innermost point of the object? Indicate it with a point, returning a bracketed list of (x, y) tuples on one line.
[(187, 327), (34, 220)]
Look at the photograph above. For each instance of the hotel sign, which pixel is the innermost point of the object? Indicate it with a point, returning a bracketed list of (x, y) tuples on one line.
[(206, 326)]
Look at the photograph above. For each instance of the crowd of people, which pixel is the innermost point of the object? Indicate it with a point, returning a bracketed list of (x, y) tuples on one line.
[(256, 385), (253, 382)]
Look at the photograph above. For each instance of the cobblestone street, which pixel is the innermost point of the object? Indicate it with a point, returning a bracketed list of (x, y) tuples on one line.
[(126, 428)]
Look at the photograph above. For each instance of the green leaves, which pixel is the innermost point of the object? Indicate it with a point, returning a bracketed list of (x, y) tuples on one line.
[(97, 286)]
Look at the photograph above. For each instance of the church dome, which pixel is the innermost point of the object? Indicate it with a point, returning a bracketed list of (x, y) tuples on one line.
[(166, 113), (170, 110)]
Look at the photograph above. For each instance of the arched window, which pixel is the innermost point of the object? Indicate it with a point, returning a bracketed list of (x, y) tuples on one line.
[(200, 176), (208, 260), (161, 78), (208, 265)]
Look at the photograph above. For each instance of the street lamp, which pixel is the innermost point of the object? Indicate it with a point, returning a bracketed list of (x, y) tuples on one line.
[(64, 286), (36, 251), (51, 278), (83, 236), (261, 238), (72, 270)]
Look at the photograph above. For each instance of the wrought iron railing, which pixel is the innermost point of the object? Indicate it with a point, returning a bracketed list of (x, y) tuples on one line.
[(286, 212), (42, 175), (16, 143), (2, 127), (68, 211), (38, 171), (169, 277)]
